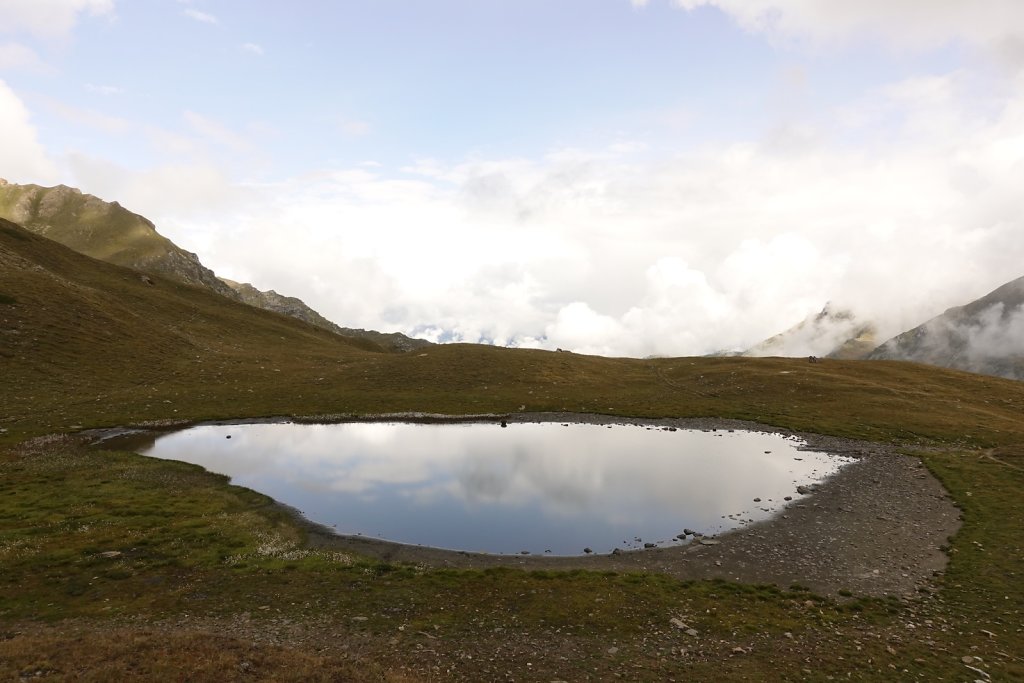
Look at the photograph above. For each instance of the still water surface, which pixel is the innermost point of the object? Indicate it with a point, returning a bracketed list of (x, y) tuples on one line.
[(538, 487)]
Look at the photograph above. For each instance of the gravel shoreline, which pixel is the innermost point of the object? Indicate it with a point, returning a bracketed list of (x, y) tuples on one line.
[(877, 527)]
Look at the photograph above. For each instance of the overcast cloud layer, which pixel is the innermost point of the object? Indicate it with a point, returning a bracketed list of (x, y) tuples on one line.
[(674, 227)]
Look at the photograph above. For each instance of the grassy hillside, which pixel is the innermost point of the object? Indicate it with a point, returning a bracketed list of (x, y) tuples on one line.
[(112, 563), (103, 230), (109, 232)]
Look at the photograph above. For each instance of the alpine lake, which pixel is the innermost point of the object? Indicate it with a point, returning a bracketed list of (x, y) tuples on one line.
[(544, 488)]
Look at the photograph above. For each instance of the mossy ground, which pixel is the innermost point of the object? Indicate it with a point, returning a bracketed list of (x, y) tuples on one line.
[(112, 562)]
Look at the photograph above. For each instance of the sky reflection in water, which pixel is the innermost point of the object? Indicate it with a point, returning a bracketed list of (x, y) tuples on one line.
[(536, 487)]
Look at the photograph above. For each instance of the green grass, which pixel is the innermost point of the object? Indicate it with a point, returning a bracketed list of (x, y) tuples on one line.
[(86, 344)]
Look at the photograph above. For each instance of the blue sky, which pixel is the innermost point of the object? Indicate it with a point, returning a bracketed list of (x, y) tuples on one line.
[(668, 177), (325, 83)]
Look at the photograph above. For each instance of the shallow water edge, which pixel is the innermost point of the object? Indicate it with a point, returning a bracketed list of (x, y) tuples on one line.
[(876, 528)]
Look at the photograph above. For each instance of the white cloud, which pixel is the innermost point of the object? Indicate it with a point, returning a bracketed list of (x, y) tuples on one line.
[(104, 89), (87, 118), (48, 18), (993, 24), (618, 251), (253, 48), (187, 190), (201, 17), (217, 132), (23, 158), (354, 127), (17, 56)]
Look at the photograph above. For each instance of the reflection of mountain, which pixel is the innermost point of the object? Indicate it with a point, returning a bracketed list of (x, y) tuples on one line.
[(986, 336), (109, 232), (832, 333)]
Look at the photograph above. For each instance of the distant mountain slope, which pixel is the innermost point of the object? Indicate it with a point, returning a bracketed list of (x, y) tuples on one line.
[(984, 336), (831, 333), (289, 305), (109, 232)]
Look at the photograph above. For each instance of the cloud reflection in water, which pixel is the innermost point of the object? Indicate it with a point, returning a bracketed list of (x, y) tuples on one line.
[(530, 487)]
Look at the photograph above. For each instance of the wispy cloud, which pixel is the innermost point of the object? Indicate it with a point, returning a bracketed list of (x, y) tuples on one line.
[(18, 56), (202, 17), (88, 118), (104, 89), (49, 18), (253, 48), (353, 127), (990, 24), (217, 132)]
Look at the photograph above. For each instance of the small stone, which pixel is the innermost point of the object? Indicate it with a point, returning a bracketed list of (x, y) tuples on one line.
[(360, 618), (588, 550), (709, 541), (691, 632), (110, 554), (616, 551), (739, 651), (650, 545), (613, 650), (678, 623), (967, 659), (788, 498), (524, 552), (757, 500)]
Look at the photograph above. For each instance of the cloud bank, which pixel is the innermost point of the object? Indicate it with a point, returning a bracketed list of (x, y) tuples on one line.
[(896, 204), (906, 24), (49, 19), (621, 252)]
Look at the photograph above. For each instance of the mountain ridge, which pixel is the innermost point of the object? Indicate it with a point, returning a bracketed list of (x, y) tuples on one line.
[(109, 232), (984, 336)]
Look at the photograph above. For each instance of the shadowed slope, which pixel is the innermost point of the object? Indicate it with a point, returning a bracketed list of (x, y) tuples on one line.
[(986, 336), (111, 233), (113, 337)]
